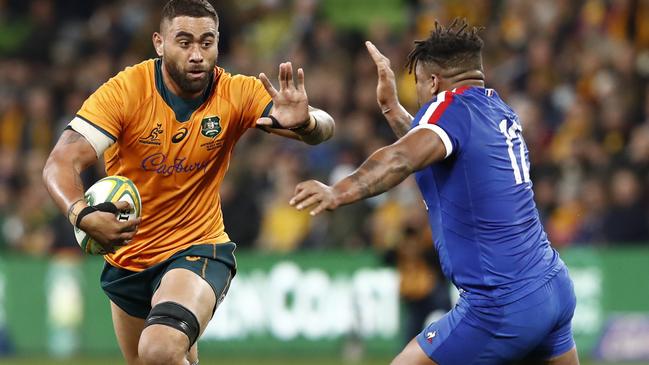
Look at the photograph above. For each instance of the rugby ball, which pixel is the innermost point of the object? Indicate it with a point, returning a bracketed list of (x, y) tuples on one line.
[(109, 189)]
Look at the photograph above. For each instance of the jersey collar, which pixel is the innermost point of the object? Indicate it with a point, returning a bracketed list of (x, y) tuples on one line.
[(183, 108)]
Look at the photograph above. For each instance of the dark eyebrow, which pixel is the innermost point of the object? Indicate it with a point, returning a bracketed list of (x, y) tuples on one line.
[(191, 36), (184, 34), (207, 35)]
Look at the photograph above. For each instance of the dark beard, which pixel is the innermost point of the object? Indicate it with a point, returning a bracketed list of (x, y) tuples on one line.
[(186, 85)]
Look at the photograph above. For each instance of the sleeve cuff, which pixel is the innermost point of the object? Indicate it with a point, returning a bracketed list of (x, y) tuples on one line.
[(97, 139), (442, 135)]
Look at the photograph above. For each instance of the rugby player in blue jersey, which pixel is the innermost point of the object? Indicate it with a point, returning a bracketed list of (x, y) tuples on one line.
[(472, 167)]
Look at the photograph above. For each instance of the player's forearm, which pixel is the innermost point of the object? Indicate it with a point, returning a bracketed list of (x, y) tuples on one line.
[(385, 169), (398, 118), (320, 128), (63, 181), (62, 173)]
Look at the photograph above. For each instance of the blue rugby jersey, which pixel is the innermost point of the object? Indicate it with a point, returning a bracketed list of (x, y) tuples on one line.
[(480, 203)]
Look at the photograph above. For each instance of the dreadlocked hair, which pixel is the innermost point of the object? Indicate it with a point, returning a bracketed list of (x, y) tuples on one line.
[(455, 46)]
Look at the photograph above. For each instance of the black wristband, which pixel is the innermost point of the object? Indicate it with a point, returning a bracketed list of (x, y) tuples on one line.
[(84, 212), (277, 125), (102, 207), (302, 125)]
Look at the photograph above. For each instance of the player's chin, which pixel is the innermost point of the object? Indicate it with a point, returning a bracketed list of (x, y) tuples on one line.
[(195, 83)]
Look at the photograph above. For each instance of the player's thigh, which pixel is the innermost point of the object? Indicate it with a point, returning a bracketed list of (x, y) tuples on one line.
[(412, 354), (188, 289), (198, 285), (127, 331)]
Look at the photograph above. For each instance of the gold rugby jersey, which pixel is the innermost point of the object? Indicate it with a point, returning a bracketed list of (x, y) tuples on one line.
[(176, 152)]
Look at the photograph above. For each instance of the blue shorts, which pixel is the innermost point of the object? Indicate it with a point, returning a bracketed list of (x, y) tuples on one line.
[(536, 326), (132, 291)]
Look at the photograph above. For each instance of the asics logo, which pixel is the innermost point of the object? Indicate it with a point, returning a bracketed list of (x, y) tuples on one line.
[(179, 136)]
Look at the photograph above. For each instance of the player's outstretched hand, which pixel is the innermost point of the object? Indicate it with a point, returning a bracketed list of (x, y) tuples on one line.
[(386, 89), (107, 230), (314, 193), (290, 103)]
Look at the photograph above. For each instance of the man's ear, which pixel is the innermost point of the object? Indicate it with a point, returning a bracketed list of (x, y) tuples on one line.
[(158, 44), (434, 85)]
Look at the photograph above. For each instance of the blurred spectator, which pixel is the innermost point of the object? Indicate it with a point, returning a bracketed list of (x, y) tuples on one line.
[(626, 219), (241, 211), (593, 212), (284, 228)]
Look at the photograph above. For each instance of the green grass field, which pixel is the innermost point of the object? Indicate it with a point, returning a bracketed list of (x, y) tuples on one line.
[(228, 361)]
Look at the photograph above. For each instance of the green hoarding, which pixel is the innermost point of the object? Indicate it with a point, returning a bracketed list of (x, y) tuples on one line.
[(309, 303), (608, 283)]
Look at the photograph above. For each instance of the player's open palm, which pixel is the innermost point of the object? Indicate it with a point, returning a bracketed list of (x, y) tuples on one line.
[(316, 194), (386, 88), (290, 103), (107, 230)]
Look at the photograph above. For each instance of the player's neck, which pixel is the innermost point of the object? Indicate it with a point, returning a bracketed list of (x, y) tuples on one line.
[(174, 88), (467, 78)]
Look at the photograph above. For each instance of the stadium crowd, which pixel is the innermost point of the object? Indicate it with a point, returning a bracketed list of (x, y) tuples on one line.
[(575, 71)]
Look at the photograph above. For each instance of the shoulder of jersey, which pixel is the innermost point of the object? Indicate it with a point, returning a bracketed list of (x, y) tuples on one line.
[(138, 70), (238, 78), (134, 79), (454, 98), (230, 85)]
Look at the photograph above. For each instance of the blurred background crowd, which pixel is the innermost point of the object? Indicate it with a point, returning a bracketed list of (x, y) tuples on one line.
[(576, 71)]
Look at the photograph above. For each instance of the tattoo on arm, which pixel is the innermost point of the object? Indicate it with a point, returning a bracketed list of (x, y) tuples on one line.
[(381, 172), (71, 212), (360, 179)]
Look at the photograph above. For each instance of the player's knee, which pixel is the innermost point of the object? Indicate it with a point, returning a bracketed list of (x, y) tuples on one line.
[(176, 316), (162, 345), (170, 331), (157, 348)]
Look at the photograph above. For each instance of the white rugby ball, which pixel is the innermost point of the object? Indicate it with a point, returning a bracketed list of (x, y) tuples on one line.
[(109, 189)]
